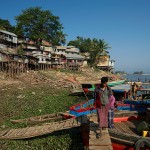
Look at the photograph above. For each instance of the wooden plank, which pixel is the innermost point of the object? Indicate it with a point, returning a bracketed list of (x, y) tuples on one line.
[(119, 128), (102, 143), (131, 126), (124, 136), (116, 127), (29, 131), (2, 133), (104, 140), (128, 130), (37, 129), (23, 131), (12, 132), (113, 129), (121, 141), (100, 147)]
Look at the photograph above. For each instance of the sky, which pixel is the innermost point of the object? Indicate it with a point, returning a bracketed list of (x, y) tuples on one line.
[(124, 24)]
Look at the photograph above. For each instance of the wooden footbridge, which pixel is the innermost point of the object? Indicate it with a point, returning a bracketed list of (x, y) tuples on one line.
[(101, 143)]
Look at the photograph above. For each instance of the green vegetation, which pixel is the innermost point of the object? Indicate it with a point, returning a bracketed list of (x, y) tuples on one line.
[(95, 47), (26, 101), (5, 25), (37, 25)]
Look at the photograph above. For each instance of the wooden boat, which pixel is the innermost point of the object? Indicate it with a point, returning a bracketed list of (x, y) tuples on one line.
[(129, 107), (123, 95), (88, 107), (142, 99), (84, 108), (43, 118), (29, 132), (90, 86), (117, 82), (138, 102), (124, 135), (127, 114), (138, 83), (76, 89)]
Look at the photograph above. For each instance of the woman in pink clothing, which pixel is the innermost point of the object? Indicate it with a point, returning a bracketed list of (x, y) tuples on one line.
[(111, 111)]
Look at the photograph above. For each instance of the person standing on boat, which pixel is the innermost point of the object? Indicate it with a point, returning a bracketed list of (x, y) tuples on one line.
[(102, 94), (111, 111), (134, 90)]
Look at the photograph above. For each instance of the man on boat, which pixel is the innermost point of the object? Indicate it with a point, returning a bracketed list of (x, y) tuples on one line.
[(102, 94), (134, 90)]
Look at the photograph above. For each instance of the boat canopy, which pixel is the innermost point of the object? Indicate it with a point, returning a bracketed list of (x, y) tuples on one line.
[(121, 88)]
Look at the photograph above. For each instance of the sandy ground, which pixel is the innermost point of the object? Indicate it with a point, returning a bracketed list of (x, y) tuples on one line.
[(57, 79)]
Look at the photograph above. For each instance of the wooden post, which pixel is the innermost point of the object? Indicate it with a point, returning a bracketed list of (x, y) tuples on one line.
[(12, 69), (22, 67), (6, 64), (125, 94), (16, 68), (85, 129), (0, 66), (9, 68), (19, 67), (42, 66)]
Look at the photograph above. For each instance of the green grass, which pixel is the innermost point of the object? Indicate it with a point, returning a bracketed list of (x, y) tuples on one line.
[(36, 100)]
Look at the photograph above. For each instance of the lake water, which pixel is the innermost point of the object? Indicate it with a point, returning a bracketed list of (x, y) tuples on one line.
[(141, 78)]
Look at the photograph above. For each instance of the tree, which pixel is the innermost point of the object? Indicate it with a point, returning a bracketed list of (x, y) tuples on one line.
[(101, 48), (95, 47), (82, 43), (5, 25), (38, 25)]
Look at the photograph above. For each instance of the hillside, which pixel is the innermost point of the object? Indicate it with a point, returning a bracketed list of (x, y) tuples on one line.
[(57, 78)]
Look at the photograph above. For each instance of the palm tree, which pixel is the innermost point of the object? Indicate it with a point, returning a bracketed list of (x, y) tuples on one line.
[(101, 49)]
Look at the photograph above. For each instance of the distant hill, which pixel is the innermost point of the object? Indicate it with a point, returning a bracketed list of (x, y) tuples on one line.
[(121, 72), (138, 72)]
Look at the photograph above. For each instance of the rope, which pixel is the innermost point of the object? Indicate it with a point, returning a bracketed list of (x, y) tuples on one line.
[(140, 143)]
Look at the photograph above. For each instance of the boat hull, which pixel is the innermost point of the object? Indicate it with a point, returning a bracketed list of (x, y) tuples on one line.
[(88, 107), (137, 102), (43, 118), (124, 135), (130, 107), (117, 146), (83, 108)]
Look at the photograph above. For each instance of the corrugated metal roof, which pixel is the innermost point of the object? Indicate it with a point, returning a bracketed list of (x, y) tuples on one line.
[(70, 46), (74, 56), (72, 50), (61, 47), (9, 33)]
